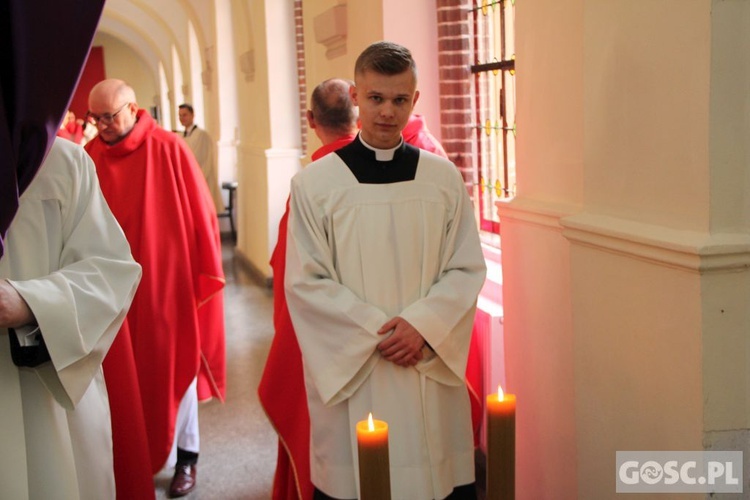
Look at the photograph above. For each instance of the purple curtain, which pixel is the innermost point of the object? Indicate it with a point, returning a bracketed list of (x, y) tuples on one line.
[(43, 48)]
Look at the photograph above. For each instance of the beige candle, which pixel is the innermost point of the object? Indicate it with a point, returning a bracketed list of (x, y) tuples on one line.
[(501, 446), (374, 466)]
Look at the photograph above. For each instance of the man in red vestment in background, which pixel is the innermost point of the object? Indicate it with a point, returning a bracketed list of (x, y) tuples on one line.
[(333, 117), (417, 134), (173, 340), (71, 129)]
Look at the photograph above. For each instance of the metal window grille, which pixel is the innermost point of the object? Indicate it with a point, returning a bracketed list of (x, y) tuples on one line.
[(493, 70)]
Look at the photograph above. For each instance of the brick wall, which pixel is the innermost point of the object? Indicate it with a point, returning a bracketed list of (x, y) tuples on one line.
[(299, 35), (454, 59)]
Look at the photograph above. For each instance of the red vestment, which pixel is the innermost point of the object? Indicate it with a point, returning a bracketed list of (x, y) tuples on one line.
[(417, 134), (72, 131), (282, 386), (133, 475), (176, 322)]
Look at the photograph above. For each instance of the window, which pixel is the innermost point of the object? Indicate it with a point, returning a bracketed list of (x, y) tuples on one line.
[(493, 72)]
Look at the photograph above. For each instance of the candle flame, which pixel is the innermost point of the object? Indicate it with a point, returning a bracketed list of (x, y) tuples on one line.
[(500, 393), (370, 425)]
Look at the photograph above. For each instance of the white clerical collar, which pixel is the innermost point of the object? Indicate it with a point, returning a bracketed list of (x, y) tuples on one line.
[(382, 154)]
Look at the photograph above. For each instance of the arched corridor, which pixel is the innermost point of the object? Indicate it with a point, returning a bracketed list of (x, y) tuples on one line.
[(618, 312)]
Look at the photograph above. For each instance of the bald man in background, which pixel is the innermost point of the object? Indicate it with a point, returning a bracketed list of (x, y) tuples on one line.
[(333, 118), (172, 341)]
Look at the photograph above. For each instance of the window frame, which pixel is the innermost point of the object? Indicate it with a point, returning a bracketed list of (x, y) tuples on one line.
[(495, 156)]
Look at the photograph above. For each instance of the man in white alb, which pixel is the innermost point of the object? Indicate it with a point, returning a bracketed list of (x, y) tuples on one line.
[(67, 276), (202, 146), (384, 266), (66, 281)]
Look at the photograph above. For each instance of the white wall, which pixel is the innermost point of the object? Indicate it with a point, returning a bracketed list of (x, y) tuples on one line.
[(413, 24), (535, 256)]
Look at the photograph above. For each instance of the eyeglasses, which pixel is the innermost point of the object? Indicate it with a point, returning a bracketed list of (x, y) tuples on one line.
[(106, 118)]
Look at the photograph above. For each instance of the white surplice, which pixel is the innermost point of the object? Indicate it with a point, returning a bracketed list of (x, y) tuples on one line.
[(68, 258), (358, 255), (202, 146)]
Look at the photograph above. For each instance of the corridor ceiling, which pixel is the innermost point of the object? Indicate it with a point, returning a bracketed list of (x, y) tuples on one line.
[(152, 27)]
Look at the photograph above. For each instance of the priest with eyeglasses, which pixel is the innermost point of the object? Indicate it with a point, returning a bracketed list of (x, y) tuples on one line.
[(170, 353)]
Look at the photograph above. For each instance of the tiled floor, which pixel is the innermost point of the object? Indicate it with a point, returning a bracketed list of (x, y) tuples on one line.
[(238, 445)]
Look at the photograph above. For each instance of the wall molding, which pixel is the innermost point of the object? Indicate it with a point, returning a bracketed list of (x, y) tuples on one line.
[(247, 65), (331, 29), (693, 251), (690, 250), (533, 212)]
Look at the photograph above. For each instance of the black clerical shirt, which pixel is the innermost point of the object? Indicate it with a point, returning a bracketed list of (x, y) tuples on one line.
[(368, 170)]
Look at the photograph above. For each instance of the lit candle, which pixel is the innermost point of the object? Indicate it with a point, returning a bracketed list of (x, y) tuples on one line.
[(501, 446), (374, 467)]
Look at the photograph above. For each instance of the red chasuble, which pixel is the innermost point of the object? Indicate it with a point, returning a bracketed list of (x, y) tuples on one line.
[(73, 131), (417, 134), (133, 475), (282, 387), (176, 323)]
